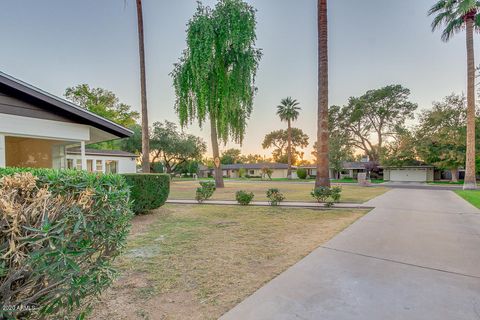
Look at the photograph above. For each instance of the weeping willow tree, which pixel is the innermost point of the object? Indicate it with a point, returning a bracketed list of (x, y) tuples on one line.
[(215, 78)]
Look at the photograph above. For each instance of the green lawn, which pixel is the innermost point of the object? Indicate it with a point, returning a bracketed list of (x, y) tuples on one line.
[(293, 191), (472, 196), (196, 262)]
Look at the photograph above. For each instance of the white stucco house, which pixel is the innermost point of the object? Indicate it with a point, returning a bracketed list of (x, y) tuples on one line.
[(350, 169), (279, 170), (37, 128), (103, 161)]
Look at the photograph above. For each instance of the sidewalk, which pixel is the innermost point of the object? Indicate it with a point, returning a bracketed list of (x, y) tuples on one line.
[(415, 256), (290, 204)]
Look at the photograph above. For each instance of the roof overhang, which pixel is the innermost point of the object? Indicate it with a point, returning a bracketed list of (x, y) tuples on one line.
[(53, 103), (105, 153)]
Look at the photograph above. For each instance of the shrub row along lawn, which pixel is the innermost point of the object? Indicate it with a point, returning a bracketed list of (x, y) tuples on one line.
[(197, 262), (293, 191)]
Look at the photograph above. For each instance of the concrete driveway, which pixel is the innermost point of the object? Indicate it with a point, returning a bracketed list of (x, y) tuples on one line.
[(420, 185), (415, 256)]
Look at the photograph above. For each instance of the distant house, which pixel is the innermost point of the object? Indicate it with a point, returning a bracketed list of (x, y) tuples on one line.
[(279, 170), (349, 170), (104, 161), (418, 173), (36, 128)]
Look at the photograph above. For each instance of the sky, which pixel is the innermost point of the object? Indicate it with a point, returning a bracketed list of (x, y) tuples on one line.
[(55, 44)]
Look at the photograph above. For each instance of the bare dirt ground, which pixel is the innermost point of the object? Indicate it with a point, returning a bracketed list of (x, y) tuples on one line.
[(197, 262)]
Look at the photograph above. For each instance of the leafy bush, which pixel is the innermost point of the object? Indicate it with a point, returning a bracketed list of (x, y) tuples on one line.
[(302, 173), (148, 191), (266, 171), (327, 195), (244, 197), (205, 191), (275, 196), (60, 231), (242, 172), (157, 167), (336, 193)]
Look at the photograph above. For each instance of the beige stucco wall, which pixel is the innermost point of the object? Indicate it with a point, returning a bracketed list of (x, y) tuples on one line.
[(28, 152), (277, 173), (280, 173), (254, 172)]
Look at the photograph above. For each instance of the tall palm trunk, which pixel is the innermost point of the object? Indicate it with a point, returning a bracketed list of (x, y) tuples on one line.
[(143, 85), (216, 154), (470, 179), (323, 177), (289, 149)]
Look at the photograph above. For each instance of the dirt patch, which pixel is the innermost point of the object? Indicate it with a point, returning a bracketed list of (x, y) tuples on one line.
[(197, 262)]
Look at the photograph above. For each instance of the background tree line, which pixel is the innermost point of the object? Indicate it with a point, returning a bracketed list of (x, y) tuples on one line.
[(171, 150), (376, 125)]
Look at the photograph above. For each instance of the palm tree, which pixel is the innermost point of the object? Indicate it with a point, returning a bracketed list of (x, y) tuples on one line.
[(288, 111), (143, 85), (323, 172), (453, 16)]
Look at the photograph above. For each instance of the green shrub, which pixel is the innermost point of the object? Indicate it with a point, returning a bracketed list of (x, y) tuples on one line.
[(61, 230), (275, 196), (327, 195), (157, 167), (302, 173), (336, 193), (148, 191), (242, 172), (244, 197), (205, 191), (267, 172)]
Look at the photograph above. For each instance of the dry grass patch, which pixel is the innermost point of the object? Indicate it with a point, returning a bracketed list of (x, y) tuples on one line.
[(197, 262), (294, 191)]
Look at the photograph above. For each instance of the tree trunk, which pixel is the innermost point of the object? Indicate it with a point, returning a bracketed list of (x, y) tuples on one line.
[(323, 175), (379, 151), (143, 85), (216, 154), (454, 174), (470, 175), (289, 150)]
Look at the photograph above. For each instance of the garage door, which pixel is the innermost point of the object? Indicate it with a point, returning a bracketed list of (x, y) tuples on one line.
[(414, 175)]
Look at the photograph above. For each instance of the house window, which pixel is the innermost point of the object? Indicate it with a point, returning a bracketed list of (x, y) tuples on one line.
[(79, 164), (111, 166), (98, 166), (90, 165), (251, 172), (70, 164)]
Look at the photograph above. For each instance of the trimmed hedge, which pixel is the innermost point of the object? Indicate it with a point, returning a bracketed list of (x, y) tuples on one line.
[(60, 230), (148, 191)]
